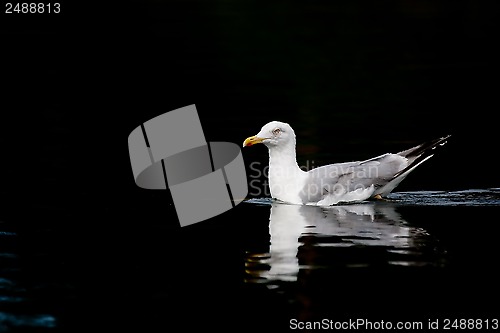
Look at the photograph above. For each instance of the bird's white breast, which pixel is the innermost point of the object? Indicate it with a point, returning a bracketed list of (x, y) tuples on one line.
[(286, 183)]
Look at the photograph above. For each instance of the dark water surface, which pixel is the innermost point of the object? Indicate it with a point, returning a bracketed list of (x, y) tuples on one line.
[(418, 256)]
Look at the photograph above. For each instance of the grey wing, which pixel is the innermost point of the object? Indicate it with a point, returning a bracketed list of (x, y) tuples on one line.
[(377, 171), (347, 177)]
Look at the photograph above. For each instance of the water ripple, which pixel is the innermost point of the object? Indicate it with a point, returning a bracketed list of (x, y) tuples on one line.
[(9, 321), (471, 197)]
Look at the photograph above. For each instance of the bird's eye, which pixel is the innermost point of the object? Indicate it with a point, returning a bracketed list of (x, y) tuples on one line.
[(276, 131)]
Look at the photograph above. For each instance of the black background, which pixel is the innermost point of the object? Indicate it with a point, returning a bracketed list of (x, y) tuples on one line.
[(355, 79)]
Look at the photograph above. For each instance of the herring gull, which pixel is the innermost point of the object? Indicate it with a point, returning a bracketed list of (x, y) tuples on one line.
[(334, 183)]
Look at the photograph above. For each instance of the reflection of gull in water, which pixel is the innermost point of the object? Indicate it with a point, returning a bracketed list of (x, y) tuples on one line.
[(374, 227)]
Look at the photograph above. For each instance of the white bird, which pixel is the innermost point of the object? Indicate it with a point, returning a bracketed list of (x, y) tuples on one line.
[(334, 183)]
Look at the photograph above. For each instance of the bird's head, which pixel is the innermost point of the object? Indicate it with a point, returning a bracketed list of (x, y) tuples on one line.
[(273, 134)]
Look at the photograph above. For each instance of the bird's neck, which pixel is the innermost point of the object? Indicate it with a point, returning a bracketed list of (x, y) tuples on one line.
[(284, 159), (285, 177)]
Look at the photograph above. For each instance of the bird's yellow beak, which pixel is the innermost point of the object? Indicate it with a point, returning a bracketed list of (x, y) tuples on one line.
[(252, 140)]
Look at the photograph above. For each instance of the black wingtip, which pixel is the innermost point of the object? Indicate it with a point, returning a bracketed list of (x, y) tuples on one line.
[(421, 153), (426, 146), (446, 137)]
